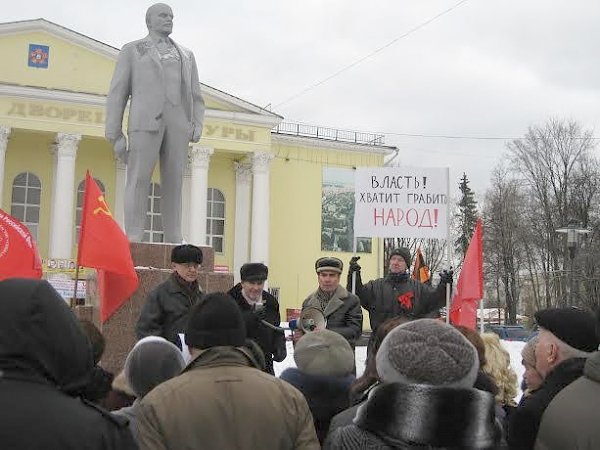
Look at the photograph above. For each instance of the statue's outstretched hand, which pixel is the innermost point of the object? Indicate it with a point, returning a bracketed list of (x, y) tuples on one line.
[(120, 149)]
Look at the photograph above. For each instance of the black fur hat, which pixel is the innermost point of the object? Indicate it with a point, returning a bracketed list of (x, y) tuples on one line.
[(254, 272), (186, 253)]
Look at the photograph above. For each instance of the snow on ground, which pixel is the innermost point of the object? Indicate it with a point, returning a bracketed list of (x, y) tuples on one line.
[(513, 348)]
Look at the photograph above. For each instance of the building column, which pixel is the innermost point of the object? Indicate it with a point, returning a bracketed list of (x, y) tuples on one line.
[(185, 199), (199, 163), (63, 195), (120, 182), (4, 135), (241, 247), (259, 239)]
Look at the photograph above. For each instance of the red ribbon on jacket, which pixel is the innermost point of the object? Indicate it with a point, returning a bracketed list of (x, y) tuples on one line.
[(406, 300)]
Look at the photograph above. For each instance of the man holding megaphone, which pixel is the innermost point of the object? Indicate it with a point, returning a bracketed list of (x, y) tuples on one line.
[(331, 305)]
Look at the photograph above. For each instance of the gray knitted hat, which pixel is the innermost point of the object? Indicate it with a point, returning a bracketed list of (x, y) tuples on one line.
[(427, 351), (325, 353), (152, 361)]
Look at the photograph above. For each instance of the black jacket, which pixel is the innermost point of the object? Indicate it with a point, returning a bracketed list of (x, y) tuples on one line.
[(269, 340), (166, 310), (525, 421), (398, 416), (326, 396), (45, 361), (393, 296)]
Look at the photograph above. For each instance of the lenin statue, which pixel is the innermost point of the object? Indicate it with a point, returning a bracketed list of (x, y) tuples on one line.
[(166, 112)]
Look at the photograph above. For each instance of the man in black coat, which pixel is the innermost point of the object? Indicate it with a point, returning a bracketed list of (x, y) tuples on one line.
[(567, 338), (167, 307), (397, 294), (261, 313), (45, 363)]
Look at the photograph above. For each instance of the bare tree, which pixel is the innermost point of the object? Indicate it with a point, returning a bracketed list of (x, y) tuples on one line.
[(560, 177), (503, 212)]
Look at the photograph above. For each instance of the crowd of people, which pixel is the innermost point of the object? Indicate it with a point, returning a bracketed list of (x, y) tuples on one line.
[(426, 384)]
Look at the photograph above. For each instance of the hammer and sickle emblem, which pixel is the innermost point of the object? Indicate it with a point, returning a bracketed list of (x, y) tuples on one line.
[(103, 208)]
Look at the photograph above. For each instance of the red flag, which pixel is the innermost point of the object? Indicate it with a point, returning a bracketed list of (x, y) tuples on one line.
[(420, 270), (469, 289), (104, 246), (19, 256)]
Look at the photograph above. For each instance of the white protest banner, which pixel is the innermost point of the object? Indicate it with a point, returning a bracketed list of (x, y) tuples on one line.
[(405, 202)]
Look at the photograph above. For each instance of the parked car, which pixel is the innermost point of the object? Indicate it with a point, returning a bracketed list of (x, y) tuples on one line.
[(508, 332)]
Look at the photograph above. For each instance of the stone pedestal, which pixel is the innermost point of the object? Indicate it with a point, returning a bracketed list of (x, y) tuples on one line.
[(153, 262)]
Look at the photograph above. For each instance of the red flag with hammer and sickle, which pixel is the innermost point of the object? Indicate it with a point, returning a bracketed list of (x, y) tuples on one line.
[(104, 246)]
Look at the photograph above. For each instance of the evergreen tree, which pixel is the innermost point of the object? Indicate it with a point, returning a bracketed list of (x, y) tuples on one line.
[(466, 216)]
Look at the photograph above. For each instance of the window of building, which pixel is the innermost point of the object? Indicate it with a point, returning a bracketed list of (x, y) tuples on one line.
[(79, 207), (215, 219), (25, 203), (153, 231)]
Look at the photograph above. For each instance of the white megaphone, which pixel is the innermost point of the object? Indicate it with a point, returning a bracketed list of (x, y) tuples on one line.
[(311, 319)]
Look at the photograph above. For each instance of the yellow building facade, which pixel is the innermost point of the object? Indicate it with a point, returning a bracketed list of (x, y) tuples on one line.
[(253, 189)]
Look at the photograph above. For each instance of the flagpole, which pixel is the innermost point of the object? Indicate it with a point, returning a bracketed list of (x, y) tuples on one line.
[(482, 317), (81, 231), (354, 254), (74, 299), (448, 262)]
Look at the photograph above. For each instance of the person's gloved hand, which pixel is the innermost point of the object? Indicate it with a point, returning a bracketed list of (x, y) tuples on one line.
[(446, 276), (353, 266), (260, 312)]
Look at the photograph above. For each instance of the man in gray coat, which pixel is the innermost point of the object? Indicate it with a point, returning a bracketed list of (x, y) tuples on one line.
[(165, 113), (340, 308)]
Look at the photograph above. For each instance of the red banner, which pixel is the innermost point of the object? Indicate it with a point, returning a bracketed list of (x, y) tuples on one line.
[(19, 257), (104, 246), (469, 289)]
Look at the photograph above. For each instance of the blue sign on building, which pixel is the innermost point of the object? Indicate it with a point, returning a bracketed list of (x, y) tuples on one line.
[(39, 56)]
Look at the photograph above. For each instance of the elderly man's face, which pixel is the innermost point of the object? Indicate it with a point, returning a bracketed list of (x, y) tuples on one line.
[(253, 289), (188, 271), (328, 281), (160, 19)]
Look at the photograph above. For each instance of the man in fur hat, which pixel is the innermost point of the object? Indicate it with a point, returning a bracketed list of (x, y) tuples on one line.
[(167, 307), (397, 294), (259, 309)]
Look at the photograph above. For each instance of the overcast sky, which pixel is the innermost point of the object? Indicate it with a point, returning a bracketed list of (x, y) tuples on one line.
[(487, 68)]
